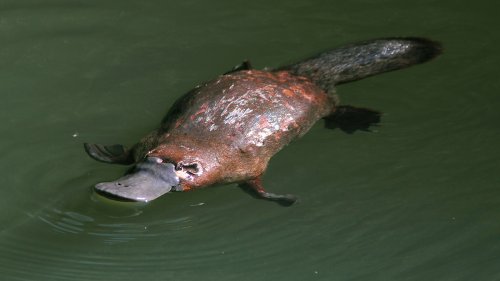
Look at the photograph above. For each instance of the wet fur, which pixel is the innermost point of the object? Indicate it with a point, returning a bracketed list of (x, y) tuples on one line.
[(364, 59), (226, 130)]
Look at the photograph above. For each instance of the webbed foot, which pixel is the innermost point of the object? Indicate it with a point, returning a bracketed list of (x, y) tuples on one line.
[(245, 65), (116, 154), (350, 119), (256, 188)]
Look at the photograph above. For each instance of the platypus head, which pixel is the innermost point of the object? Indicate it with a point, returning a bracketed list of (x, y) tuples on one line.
[(164, 169)]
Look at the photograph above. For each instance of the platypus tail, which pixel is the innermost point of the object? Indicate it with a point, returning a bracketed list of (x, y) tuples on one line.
[(364, 59)]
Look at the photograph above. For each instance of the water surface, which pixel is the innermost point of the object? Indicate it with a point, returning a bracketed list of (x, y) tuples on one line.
[(417, 199)]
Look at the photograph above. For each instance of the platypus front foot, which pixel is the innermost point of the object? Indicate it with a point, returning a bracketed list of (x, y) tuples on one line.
[(116, 154), (257, 189)]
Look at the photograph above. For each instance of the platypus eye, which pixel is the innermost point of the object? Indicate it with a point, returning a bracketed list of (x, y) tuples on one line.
[(191, 168)]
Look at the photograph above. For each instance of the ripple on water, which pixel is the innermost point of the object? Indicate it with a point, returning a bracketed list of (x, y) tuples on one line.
[(131, 239), (112, 228)]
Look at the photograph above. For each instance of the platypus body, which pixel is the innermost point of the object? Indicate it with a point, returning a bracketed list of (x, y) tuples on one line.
[(226, 130)]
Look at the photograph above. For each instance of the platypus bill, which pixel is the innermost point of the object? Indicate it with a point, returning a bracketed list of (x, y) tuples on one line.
[(226, 130)]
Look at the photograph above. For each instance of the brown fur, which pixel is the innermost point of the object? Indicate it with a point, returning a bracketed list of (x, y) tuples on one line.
[(233, 125), (227, 129)]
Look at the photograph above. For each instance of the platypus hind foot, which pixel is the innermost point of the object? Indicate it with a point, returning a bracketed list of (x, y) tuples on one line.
[(116, 154), (245, 65), (257, 189), (351, 119)]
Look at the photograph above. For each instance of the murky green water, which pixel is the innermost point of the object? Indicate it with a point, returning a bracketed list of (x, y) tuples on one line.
[(417, 200)]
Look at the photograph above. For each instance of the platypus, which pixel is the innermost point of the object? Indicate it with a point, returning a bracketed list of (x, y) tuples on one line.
[(226, 130)]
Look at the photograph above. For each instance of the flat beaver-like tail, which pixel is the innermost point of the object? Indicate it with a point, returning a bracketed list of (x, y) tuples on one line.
[(364, 59)]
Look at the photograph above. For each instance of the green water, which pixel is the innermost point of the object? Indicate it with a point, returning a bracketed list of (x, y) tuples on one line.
[(416, 200)]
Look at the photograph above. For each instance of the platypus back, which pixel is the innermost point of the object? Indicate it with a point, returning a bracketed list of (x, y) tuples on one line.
[(364, 59)]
